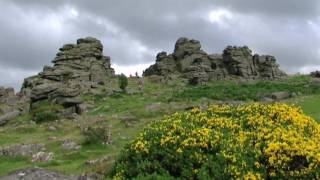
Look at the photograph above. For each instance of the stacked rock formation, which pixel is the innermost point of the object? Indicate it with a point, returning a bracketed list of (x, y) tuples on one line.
[(8, 99), (77, 68), (189, 61), (11, 104)]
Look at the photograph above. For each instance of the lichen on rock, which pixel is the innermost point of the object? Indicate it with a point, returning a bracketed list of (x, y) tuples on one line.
[(77, 68), (189, 61)]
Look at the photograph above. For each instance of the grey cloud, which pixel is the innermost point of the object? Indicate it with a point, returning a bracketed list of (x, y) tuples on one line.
[(269, 27), (276, 8)]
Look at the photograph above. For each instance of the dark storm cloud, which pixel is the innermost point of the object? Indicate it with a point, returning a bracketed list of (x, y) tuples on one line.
[(134, 31)]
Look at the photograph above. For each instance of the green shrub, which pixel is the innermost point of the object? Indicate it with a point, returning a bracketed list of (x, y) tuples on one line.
[(45, 116), (123, 82), (254, 141), (97, 135), (45, 112)]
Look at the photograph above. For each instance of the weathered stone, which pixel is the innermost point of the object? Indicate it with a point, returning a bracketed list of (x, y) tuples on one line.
[(21, 150), (52, 128), (40, 174), (8, 116), (154, 107), (280, 95), (156, 78), (4, 109), (266, 100), (99, 160), (238, 61), (267, 67), (11, 102), (76, 68), (42, 157), (70, 145), (43, 91), (190, 62), (82, 108), (128, 118), (185, 47), (68, 102), (132, 91)]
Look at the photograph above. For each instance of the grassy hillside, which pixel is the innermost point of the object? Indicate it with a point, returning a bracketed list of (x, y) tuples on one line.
[(124, 115)]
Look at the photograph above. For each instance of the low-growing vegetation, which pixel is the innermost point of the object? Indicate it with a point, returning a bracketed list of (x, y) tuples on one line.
[(315, 74), (96, 135), (122, 116), (123, 82), (232, 90), (45, 112), (253, 141)]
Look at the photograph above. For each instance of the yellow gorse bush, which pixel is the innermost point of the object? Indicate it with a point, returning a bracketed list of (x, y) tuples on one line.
[(254, 141)]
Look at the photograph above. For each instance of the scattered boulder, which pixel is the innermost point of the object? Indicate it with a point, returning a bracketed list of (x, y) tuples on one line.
[(42, 157), (52, 128), (267, 100), (280, 95), (132, 91), (22, 150), (70, 145), (6, 94), (99, 160), (40, 174), (11, 105), (128, 118), (154, 107), (10, 115), (189, 61), (77, 68)]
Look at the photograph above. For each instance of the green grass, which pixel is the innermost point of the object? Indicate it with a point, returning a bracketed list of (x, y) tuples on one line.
[(108, 110), (11, 164), (232, 90), (311, 106)]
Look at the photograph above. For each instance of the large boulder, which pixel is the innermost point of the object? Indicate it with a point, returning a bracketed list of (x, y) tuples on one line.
[(238, 61), (189, 61), (8, 116), (27, 150), (77, 68), (11, 104), (6, 96), (280, 95)]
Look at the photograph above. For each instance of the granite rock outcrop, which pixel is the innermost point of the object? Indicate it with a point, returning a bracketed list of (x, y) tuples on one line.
[(189, 61), (77, 68)]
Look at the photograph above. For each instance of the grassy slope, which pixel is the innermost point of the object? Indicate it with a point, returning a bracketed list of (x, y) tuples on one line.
[(109, 109), (311, 106)]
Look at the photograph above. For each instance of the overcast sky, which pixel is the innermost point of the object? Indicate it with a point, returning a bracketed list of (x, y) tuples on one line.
[(133, 31)]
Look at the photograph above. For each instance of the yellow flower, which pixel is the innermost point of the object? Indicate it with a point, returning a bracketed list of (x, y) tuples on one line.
[(257, 164)]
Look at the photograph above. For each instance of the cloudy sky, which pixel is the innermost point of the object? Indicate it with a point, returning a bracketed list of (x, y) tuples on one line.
[(133, 31)]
